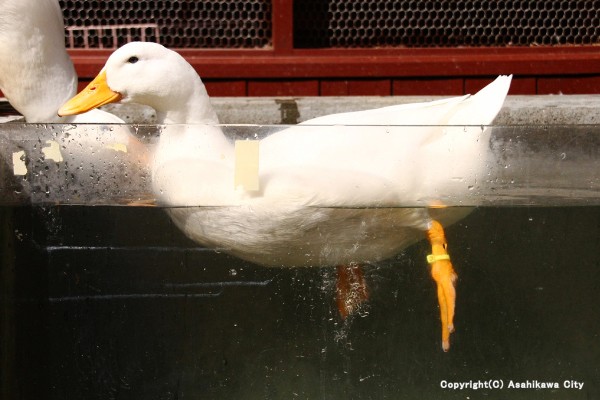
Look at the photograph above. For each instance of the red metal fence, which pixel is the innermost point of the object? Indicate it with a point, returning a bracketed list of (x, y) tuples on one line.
[(367, 47)]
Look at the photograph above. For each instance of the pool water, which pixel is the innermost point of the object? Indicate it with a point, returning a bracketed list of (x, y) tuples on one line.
[(114, 302)]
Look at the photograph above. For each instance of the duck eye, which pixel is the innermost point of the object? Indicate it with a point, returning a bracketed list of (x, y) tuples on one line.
[(133, 60)]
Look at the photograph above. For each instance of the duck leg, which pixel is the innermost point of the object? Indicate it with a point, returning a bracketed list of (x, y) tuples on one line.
[(351, 289), (444, 276)]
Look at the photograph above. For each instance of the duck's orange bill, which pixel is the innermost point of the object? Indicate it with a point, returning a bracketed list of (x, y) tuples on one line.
[(96, 94)]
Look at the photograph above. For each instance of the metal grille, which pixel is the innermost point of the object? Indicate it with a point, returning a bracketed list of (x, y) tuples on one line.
[(174, 23), (449, 23)]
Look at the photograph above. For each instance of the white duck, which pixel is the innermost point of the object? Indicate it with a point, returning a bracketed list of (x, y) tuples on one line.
[(329, 196), (37, 76), (36, 73)]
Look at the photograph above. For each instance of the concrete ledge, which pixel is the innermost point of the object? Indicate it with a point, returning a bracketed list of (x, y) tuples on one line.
[(520, 110), (545, 156)]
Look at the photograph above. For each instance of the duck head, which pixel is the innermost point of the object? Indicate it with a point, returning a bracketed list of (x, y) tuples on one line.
[(149, 74)]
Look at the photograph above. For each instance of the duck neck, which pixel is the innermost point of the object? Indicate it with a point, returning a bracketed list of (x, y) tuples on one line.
[(198, 132), (192, 109)]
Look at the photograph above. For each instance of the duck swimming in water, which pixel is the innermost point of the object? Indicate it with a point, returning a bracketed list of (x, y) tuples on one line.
[(328, 194)]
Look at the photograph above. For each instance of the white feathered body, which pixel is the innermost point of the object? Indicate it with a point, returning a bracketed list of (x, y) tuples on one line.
[(37, 75), (338, 189), (33, 31), (332, 194)]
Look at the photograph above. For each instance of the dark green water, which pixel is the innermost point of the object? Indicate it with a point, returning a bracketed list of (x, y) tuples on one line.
[(114, 303)]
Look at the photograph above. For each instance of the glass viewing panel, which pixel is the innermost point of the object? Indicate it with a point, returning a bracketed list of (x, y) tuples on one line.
[(103, 295), (500, 165)]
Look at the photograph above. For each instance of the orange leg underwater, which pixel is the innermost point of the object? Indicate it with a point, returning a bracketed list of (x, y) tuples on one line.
[(351, 289), (444, 276)]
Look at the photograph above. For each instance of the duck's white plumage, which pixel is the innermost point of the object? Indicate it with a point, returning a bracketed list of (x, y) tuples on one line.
[(439, 151), (36, 73), (321, 188), (329, 194), (37, 76)]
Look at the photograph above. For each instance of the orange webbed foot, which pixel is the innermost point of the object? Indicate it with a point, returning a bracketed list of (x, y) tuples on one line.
[(444, 276), (351, 289)]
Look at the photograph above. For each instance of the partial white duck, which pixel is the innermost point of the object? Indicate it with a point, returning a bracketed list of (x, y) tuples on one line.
[(328, 196), (36, 73), (37, 76)]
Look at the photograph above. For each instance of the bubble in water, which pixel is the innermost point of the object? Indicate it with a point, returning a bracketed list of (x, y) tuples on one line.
[(232, 272)]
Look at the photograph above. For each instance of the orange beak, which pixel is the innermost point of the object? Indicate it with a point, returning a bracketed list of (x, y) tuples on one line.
[(96, 94)]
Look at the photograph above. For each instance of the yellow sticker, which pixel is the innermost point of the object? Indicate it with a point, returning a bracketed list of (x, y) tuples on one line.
[(122, 147), (246, 164), (52, 151), (19, 166)]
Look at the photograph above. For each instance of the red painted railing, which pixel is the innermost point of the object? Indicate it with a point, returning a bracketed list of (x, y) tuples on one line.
[(282, 70)]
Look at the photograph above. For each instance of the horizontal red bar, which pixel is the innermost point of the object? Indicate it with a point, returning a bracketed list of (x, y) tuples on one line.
[(373, 63)]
